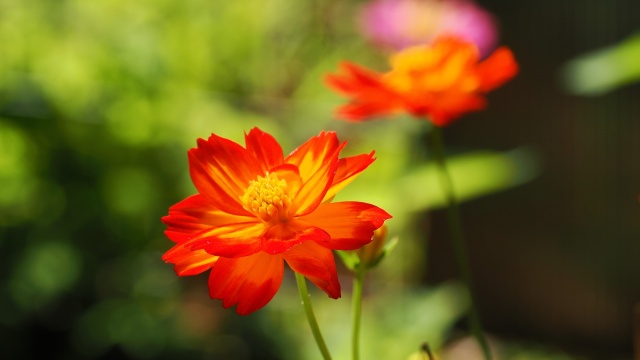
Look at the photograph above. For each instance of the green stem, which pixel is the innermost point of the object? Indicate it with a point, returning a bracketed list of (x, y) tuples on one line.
[(306, 303), (427, 350), (457, 237), (356, 309)]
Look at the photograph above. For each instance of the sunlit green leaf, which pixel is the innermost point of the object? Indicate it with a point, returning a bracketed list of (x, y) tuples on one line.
[(604, 69)]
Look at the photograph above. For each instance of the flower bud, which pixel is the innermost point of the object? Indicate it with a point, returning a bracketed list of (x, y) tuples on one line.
[(373, 250), (371, 254)]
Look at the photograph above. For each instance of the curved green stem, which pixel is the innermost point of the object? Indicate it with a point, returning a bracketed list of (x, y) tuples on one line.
[(457, 237), (357, 310), (306, 303), (427, 350)]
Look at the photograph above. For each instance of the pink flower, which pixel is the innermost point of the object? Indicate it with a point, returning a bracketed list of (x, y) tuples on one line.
[(397, 24)]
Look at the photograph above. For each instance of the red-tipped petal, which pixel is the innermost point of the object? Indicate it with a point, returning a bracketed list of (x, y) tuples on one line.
[(194, 215), (265, 148), (250, 282), (497, 69), (347, 171), (350, 224), (317, 264), (187, 262), (221, 170)]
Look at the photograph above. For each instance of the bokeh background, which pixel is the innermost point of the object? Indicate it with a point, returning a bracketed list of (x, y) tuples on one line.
[(100, 101)]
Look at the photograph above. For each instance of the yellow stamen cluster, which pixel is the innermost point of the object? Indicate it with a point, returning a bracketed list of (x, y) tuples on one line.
[(268, 198)]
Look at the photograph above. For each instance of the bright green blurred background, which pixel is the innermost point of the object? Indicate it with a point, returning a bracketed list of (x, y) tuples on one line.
[(100, 101)]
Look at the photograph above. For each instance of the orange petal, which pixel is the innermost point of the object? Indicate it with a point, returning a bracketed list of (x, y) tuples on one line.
[(350, 224), (265, 148), (363, 110), (251, 281), (354, 79), (313, 154), (282, 237), (370, 95), (231, 240), (452, 105), (317, 161), (187, 262), (221, 170), (347, 171), (193, 215), (317, 264), (497, 69), (313, 191)]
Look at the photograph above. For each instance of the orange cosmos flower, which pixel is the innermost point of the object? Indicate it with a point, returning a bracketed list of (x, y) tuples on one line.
[(440, 81), (256, 209)]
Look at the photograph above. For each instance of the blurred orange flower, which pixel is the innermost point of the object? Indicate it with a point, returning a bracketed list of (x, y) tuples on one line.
[(441, 81), (256, 209)]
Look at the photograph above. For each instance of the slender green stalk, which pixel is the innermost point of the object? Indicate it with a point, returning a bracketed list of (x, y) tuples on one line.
[(356, 309), (306, 303), (457, 237), (427, 350)]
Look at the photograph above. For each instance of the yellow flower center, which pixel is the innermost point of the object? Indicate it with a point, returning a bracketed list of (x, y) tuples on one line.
[(268, 198)]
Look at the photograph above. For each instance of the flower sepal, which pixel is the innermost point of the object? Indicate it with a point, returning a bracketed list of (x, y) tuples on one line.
[(371, 254), (386, 250), (349, 259)]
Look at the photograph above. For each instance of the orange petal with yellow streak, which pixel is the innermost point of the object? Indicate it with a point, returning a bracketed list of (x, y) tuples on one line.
[(231, 240), (187, 262), (194, 215), (348, 169), (221, 170), (317, 161)]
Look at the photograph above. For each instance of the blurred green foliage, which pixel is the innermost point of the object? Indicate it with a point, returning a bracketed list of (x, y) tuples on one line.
[(604, 70), (396, 321), (99, 102)]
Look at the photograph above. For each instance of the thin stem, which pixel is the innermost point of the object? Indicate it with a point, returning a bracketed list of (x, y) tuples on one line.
[(306, 303), (427, 350), (636, 331), (457, 237), (357, 309)]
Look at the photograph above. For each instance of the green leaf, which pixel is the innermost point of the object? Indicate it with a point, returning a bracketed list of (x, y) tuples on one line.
[(603, 70)]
